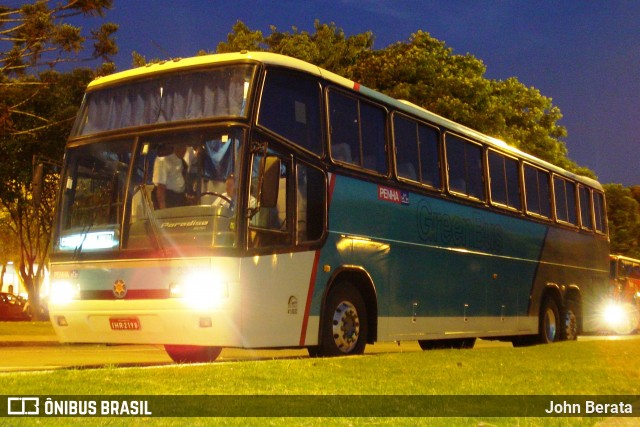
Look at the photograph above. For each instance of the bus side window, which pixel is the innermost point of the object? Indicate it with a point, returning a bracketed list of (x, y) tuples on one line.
[(504, 180), (291, 107), (565, 197), (345, 140), (311, 203), (358, 132), (464, 160), (417, 151), (585, 208), (537, 191), (599, 212)]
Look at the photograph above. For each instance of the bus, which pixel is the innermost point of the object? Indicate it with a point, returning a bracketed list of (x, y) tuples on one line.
[(308, 211), (620, 313)]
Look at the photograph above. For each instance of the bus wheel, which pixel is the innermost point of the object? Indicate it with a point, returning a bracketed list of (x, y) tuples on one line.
[(549, 331), (570, 322), (344, 324), (192, 353)]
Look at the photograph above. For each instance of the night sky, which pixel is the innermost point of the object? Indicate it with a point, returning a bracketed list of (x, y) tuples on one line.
[(585, 55)]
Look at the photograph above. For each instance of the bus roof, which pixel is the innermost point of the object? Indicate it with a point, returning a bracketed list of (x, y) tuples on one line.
[(297, 64)]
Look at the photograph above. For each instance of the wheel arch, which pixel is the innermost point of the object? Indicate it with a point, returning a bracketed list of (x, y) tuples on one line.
[(363, 282), (554, 291)]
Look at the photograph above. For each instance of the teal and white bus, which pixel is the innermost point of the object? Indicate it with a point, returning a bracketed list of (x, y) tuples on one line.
[(310, 212)]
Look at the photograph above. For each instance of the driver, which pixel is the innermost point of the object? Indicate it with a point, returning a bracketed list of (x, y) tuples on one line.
[(228, 197)]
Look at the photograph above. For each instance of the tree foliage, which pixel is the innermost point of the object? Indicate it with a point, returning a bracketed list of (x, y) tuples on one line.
[(426, 72), (623, 210), (37, 108), (37, 33)]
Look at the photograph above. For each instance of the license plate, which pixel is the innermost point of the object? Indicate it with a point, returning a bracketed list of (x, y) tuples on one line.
[(124, 323)]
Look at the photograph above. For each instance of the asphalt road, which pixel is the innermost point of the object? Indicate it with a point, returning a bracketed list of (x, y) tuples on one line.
[(35, 356)]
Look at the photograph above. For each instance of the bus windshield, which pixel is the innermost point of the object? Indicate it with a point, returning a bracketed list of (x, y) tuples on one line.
[(155, 191), (190, 95)]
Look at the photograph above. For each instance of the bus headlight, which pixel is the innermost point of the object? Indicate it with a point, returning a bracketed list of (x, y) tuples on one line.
[(201, 289), (63, 292)]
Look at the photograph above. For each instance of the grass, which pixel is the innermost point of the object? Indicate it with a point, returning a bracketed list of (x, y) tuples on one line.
[(569, 368)]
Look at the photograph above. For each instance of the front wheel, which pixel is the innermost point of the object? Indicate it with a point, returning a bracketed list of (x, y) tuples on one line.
[(344, 323), (192, 353), (549, 327)]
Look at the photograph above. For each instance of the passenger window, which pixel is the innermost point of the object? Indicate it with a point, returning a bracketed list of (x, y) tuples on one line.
[(417, 151), (357, 131), (565, 196), (585, 208), (464, 160), (291, 107), (505, 181), (537, 191)]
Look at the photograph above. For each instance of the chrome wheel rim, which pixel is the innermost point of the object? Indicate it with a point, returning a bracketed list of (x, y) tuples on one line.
[(346, 327), (550, 324)]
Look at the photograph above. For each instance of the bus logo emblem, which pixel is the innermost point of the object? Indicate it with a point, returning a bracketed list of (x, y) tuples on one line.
[(119, 289), (393, 195)]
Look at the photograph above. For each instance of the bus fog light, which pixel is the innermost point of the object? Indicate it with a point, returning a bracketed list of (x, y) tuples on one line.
[(61, 321)]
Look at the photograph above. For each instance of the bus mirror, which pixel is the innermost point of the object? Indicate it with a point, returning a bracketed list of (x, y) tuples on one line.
[(270, 183), (37, 184)]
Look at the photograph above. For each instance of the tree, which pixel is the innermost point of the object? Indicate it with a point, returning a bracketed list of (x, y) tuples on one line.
[(37, 108), (427, 73), (623, 211)]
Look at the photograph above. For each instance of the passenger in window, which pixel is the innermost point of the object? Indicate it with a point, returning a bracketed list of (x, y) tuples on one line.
[(169, 178)]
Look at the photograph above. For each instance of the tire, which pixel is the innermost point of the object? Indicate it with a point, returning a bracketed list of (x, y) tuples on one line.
[(459, 343), (570, 322), (344, 323), (549, 323), (192, 353)]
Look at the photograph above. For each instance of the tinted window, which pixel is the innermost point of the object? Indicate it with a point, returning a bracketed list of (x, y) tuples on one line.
[(465, 167), (291, 107), (505, 182), (599, 212), (537, 191), (585, 207), (357, 132), (565, 196), (417, 151)]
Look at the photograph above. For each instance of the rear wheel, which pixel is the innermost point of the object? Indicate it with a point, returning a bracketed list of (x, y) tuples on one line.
[(192, 353), (344, 323), (570, 318)]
